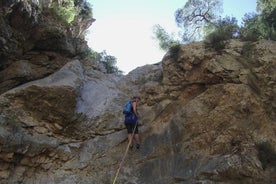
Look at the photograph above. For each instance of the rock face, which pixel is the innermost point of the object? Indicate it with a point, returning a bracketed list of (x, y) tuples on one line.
[(206, 117), (34, 43)]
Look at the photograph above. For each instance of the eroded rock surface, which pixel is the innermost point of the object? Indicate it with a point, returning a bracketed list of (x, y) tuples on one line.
[(34, 43), (206, 117)]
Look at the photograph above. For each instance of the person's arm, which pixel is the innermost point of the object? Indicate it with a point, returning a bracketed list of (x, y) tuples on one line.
[(134, 106)]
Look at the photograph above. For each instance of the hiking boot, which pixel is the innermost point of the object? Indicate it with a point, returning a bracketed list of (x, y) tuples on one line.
[(137, 146)]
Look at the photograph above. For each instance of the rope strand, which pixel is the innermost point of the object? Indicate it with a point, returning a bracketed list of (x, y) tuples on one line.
[(123, 159)]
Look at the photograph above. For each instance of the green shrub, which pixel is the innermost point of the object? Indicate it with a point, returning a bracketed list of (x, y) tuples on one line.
[(66, 10), (225, 29), (251, 29), (109, 62), (166, 41), (216, 40), (85, 7), (91, 54), (174, 51)]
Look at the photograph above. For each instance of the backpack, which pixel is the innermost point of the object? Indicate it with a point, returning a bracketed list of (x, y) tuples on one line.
[(127, 108)]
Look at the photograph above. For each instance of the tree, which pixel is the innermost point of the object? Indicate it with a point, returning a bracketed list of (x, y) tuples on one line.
[(195, 19), (268, 17), (166, 41), (252, 28), (266, 6), (263, 25), (109, 63), (196, 16)]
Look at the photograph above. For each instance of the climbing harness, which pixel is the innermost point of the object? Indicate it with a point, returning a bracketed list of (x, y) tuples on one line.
[(123, 159)]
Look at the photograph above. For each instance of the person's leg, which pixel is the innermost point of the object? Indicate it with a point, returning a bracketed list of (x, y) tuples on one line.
[(129, 134), (137, 138)]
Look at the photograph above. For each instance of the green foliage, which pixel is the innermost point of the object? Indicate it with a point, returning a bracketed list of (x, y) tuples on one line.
[(91, 54), (174, 51), (85, 7), (225, 29), (194, 20), (109, 63), (68, 10), (65, 10), (266, 6), (165, 40), (200, 18), (266, 154), (252, 28), (195, 16), (262, 26), (268, 18)]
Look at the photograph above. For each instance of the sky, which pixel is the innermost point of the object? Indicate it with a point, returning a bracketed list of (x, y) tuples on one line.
[(124, 28)]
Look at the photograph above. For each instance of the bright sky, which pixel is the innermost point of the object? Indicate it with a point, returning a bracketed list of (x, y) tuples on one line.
[(124, 28)]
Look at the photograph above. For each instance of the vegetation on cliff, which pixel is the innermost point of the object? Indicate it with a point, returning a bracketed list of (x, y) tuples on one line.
[(68, 10), (207, 118), (199, 19), (106, 60)]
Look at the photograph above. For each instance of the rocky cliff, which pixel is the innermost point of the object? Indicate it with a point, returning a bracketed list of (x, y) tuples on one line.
[(206, 117), (35, 42)]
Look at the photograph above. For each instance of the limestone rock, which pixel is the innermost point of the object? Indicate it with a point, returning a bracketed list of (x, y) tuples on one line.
[(206, 118), (34, 43)]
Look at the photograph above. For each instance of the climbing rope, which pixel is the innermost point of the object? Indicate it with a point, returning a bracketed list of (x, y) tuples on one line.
[(123, 159)]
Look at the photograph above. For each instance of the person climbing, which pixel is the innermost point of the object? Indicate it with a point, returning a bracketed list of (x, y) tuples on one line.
[(131, 122)]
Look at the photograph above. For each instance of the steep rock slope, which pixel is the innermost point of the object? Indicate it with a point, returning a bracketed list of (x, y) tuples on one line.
[(207, 117), (34, 42)]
